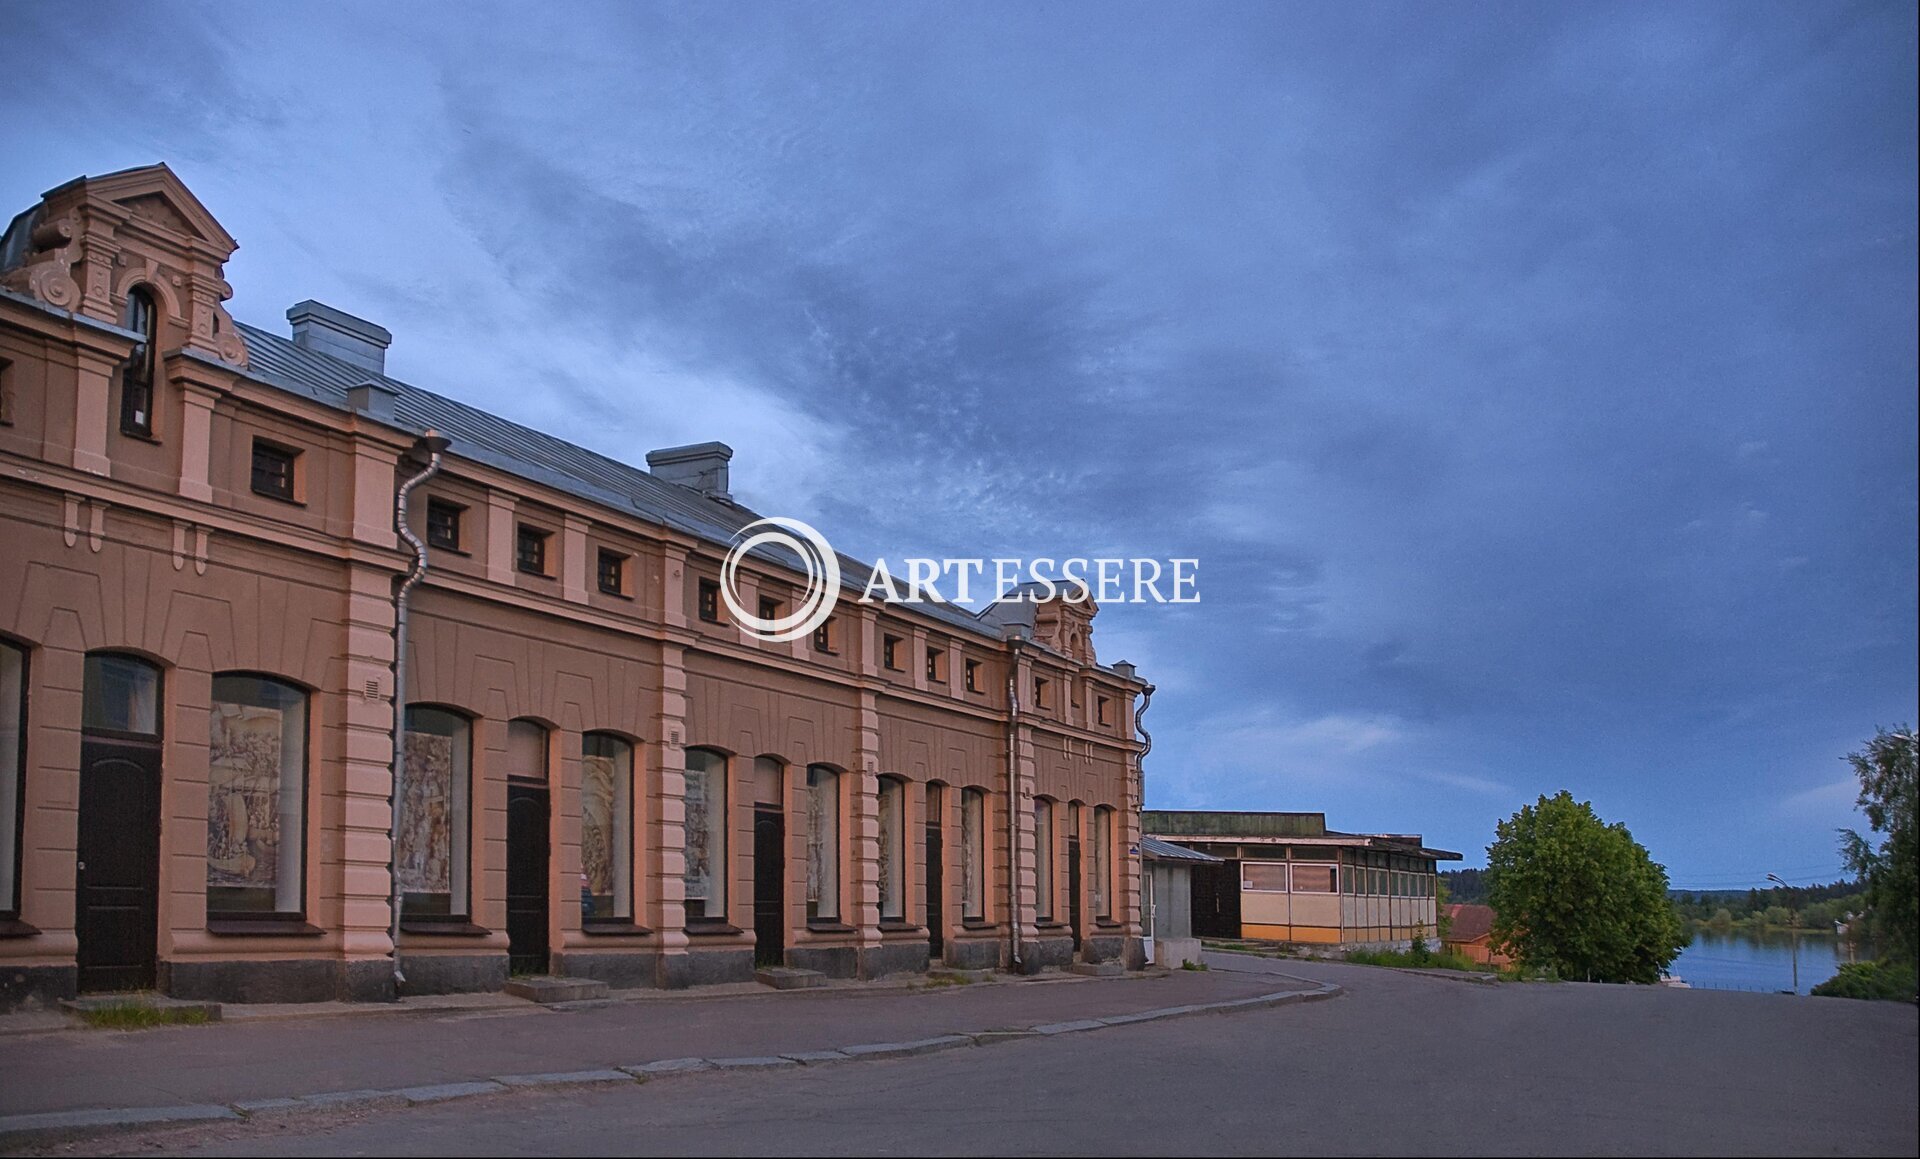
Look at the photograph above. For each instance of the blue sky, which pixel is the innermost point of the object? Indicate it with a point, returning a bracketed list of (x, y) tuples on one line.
[(1536, 383)]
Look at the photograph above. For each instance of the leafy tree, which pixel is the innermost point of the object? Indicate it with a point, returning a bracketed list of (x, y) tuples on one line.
[(1886, 768), (1578, 897)]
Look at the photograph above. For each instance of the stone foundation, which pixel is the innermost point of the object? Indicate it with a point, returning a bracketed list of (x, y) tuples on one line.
[(454, 973), (833, 961), (893, 958), (628, 970), (24, 987), (284, 980)]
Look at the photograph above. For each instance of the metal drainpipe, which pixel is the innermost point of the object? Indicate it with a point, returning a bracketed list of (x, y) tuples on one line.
[(435, 445), (1140, 803), (1013, 801)]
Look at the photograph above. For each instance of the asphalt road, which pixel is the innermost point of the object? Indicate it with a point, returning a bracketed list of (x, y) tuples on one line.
[(1401, 1064)]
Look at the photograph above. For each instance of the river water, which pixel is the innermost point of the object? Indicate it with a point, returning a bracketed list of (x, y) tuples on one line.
[(1757, 959)]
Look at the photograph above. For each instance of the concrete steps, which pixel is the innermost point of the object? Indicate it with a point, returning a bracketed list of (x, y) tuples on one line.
[(547, 990), (789, 978)]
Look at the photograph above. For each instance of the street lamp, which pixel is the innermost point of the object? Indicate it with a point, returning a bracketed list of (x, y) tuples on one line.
[(1793, 936)]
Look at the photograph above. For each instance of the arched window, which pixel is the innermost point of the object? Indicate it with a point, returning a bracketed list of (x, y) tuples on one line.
[(256, 798), (823, 843), (136, 377), (121, 695), (13, 770), (606, 828), (973, 855), (1042, 859), (527, 750), (893, 849), (1103, 863), (434, 793), (706, 836)]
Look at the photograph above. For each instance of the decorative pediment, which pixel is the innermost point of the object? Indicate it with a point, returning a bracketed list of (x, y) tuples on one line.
[(93, 239), (1067, 628)]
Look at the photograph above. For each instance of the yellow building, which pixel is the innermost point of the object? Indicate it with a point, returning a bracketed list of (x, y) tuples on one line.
[(1286, 877)]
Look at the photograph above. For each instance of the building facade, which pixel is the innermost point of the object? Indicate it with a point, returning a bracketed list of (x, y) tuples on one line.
[(603, 775), (1286, 877)]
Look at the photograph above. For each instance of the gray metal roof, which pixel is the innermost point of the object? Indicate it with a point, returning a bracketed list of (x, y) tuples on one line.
[(541, 458), (1154, 849)]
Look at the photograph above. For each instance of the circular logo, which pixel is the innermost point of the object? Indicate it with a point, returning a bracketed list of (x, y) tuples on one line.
[(817, 561)]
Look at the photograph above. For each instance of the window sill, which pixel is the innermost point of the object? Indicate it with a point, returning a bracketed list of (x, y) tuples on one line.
[(450, 550), (263, 927), (1108, 924), (892, 927), (614, 929), (457, 928), (830, 927), (287, 499), (143, 436), (15, 928), (711, 930), (977, 925), (616, 595), (1048, 924)]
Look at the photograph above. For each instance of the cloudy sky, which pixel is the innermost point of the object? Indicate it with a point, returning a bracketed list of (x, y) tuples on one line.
[(1536, 383)]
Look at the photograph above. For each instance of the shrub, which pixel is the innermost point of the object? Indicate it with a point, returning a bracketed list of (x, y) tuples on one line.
[(1887, 980)]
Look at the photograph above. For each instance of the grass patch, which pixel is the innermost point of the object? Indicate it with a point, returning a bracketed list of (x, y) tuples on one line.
[(140, 1016), (946, 980), (1196, 967)]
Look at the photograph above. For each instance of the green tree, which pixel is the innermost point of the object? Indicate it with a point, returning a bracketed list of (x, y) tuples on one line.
[(1578, 897), (1886, 768)]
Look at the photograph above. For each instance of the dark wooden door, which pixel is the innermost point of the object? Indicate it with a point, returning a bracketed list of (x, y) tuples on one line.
[(527, 885), (117, 874), (769, 886), (936, 891), (1073, 890), (1216, 900)]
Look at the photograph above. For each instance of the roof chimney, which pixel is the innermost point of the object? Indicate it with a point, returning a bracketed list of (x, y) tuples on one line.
[(702, 466), (373, 398), (326, 330)]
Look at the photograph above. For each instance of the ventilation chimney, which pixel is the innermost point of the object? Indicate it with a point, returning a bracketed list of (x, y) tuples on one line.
[(702, 466), (323, 329), (373, 398)]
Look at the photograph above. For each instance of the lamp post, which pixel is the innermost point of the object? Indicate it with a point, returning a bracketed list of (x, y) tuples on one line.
[(1793, 936)]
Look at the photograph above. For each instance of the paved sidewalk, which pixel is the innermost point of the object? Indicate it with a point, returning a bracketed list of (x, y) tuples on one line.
[(186, 1067)]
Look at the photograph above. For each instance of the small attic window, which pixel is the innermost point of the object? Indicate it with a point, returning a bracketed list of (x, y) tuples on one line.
[(136, 376)]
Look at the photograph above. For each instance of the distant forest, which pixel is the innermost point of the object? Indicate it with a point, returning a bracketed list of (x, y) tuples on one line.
[(1808, 906)]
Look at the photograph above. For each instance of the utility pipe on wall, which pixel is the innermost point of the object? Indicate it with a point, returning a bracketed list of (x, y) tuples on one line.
[(435, 446), (1016, 639)]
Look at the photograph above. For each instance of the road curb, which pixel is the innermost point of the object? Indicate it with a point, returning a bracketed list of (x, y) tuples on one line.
[(13, 1127)]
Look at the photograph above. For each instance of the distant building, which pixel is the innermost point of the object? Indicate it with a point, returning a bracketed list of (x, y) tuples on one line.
[(1166, 900), (1286, 877), (1470, 932)]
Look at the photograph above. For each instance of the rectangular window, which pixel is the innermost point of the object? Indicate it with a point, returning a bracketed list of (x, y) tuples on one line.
[(973, 855), (823, 844), (606, 828), (769, 608), (709, 605), (890, 652), (6, 393), (443, 524), (1042, 692), (613, 573), (434, 786), (1042, 859), (138, 372), (13, 751), (706, 836), (823, 636), (1101, 707), (256, 798), (1313, 879), (120, 694), (973, 675), (273, 470), (530, 550), (937, 665), (893, 850), (1263, 877)]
